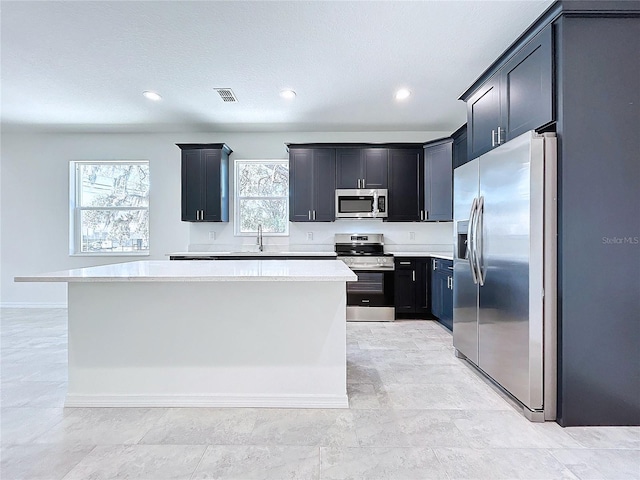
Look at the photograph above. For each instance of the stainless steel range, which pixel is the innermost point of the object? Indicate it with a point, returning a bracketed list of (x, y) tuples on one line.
[(371, 297)]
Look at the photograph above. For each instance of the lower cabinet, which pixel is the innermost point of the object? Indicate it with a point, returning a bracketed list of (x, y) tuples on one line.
[(411, 287), (442, 291)]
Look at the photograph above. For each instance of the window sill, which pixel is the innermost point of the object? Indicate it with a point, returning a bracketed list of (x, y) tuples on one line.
[(104, 254)]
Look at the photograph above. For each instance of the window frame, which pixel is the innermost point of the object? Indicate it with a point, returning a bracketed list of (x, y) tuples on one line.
[(75, 210), (237, 198)]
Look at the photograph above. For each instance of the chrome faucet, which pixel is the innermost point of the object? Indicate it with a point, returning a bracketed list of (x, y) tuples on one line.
[(259, 239)]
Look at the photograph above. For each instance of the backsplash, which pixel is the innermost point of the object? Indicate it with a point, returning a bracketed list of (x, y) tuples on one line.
[(436, 236)]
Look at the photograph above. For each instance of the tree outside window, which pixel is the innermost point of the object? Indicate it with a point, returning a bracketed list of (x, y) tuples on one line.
[(262, 197), (109, 207)]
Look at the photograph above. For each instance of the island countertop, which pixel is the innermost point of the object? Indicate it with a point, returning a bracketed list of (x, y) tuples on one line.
[(255, 254), (198, 271)]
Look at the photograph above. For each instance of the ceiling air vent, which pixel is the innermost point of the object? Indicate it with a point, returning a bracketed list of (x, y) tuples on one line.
[(227, 94)]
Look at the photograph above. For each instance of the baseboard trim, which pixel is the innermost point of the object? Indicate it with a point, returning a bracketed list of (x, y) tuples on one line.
[(264, 401), (32, 305)]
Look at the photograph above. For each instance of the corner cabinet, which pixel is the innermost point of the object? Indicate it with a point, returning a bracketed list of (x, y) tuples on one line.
[(518, 97), (460, 146), (405, 185), (312, 184), (205, 182), (438, 181)]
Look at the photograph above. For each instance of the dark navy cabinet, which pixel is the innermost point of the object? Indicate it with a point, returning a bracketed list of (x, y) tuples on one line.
[(312, 184), (405, 185), (459, 137), (483, 117), (442, 291), (411, 285), (205, 182), (516, 98), (362, 167), (438, 181)]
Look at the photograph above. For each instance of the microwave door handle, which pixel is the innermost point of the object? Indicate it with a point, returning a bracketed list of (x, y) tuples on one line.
[(375, 204)]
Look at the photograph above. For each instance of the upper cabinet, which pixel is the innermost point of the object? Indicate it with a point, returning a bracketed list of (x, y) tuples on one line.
[(361, 167), (205, 182), (312, 184), (438, 181), (405, 185), (518, 97), (460, 146)]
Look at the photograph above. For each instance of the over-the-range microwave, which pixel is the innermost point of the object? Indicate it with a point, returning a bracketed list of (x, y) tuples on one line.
[(361, 203)]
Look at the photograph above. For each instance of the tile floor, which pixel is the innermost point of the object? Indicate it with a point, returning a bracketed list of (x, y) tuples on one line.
[(416, 412)]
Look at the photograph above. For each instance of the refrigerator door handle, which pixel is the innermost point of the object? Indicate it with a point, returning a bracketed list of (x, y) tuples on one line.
[(471, 242), (478, 241)]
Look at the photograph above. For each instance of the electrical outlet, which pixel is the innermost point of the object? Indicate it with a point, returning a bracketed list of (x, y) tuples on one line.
[(309, 235), (212, 235), (412, 235)]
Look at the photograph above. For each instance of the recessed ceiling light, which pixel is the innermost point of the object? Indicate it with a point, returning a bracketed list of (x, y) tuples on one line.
[(152, 95), (288, 94), (402, 94)]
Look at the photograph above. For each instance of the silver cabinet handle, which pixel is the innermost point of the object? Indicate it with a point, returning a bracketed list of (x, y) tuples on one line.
[(405, 263), (364, 184), (413, 275), (421, 214), (314, 214), (201, 214), (358, 183), (500, 135), (364, 300), (493, 138), (309, 215), (435, 264)]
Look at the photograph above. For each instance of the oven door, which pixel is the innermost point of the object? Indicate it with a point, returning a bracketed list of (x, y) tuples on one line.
[(371, 297)]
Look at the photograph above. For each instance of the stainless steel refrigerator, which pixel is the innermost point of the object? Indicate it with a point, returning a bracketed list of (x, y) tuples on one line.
[(504, 277)]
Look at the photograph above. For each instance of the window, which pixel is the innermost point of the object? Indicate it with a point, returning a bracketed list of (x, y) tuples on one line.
[(262, 197), (109, 207)]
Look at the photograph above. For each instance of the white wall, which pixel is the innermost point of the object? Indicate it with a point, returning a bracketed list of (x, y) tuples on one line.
[(34, 200)]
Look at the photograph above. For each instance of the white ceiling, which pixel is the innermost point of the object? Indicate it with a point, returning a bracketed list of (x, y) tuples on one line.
[(82, 66)]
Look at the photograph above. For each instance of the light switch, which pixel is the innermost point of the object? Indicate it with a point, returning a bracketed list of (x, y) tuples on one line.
[(412, 235), (309, 235), (212, 235)]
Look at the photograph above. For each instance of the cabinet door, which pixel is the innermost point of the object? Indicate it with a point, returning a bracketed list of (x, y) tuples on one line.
[(348, 168), (527, 98), (375, 166), (300, 185), (436, 291), (460, 148), (405, 192), (422, 285), (404, 290), (483, 117), (191, 185), (446, 317), (212, 186), (324, 183), (438, 182)]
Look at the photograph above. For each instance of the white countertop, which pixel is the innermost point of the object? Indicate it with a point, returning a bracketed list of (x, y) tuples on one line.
[(254, 254), (199, 271), (443, 255)]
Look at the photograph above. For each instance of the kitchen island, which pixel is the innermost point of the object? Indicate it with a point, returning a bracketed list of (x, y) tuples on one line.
[(254, 333)]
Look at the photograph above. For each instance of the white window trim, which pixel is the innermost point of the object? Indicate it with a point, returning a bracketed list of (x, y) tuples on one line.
[(236, 199), (75, 235)]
